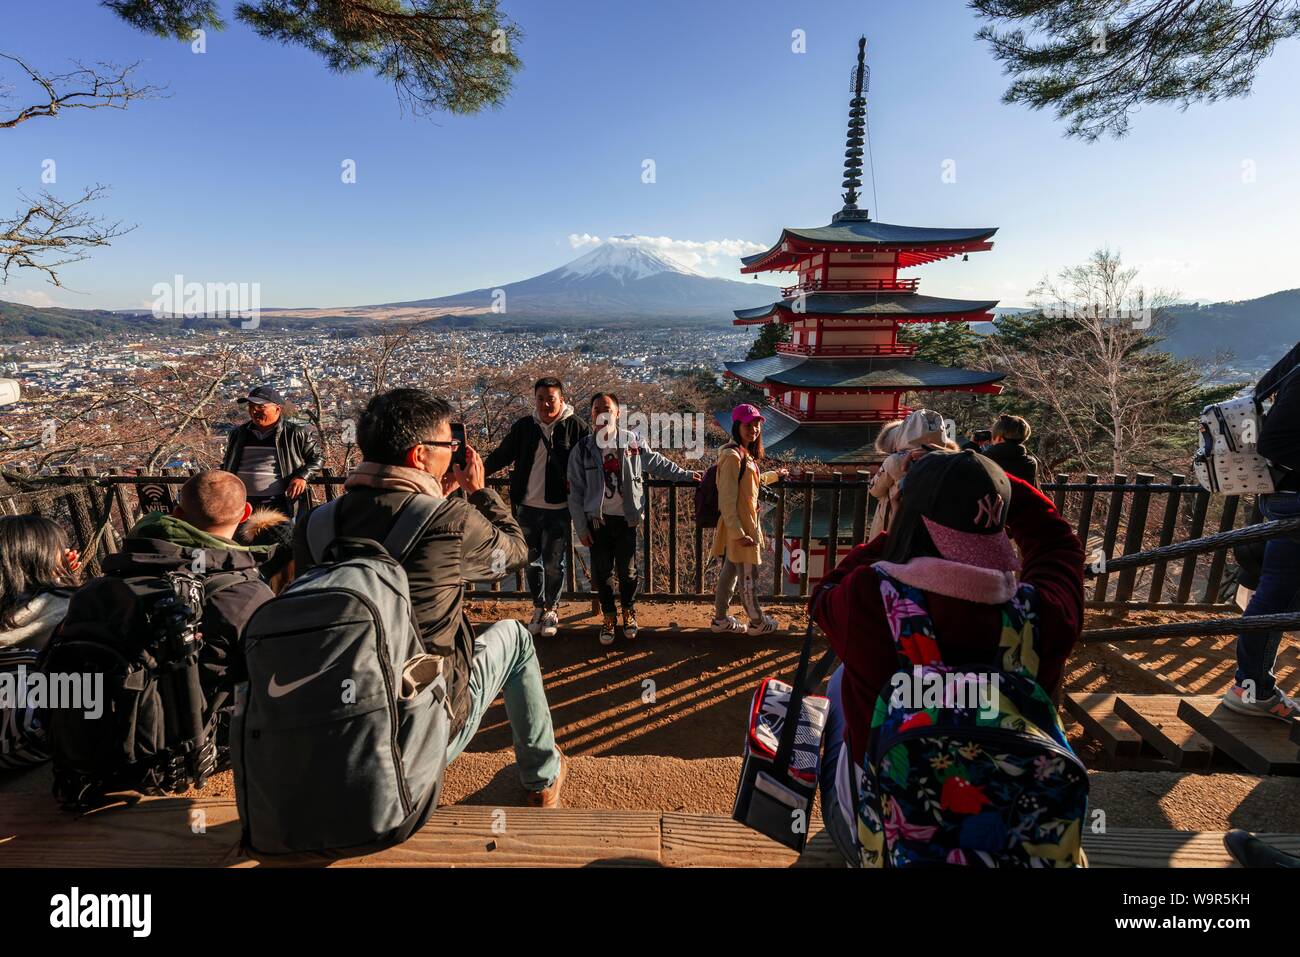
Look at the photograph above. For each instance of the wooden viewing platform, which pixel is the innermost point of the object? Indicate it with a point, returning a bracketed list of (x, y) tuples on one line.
[(188, 832), (1185, 732)]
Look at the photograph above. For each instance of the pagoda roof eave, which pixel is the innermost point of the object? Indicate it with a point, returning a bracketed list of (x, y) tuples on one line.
[(927, 243), (831, 443), (860, 375), (904, 307)]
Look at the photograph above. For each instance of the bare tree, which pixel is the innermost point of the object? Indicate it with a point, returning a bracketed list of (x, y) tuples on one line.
[(104, 86), (1109, 398), (225, 366), (316, 415), (50, 233)]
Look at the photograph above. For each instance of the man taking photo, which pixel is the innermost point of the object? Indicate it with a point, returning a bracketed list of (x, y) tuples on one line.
[(273, 456), (406, 438)]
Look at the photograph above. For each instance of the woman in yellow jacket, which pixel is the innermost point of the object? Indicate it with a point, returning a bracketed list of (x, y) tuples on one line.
[(739, 539)]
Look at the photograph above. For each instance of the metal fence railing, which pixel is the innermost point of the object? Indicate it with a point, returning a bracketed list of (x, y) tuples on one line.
[(1113, 518)]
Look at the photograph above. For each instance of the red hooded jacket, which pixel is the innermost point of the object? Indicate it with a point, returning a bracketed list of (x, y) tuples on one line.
[(852, 614)]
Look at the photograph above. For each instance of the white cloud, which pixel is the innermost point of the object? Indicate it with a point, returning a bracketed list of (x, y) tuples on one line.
[(714, 256), (30, 297)]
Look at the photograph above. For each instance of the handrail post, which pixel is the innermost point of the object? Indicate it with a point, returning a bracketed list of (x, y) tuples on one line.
[(1113, 509), (1167, 526), (1137, 525)]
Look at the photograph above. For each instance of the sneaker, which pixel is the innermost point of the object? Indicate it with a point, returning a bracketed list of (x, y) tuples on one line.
[(764, 626), (629, 624), (550, 796), (1277, 705), (550, 623), (731, 625), (607, 630), (535, 625)]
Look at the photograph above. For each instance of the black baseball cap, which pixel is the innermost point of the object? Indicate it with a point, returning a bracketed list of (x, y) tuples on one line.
[(262, 395), (963, 499)]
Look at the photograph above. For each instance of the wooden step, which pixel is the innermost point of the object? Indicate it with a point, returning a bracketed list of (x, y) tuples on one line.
[(1154, 847), (1096, 712), (1155, 718), (184, 832), (1261, 745)]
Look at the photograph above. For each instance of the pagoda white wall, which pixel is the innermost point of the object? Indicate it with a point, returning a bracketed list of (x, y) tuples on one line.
[(838, 402), (861, 272), (833, 337)]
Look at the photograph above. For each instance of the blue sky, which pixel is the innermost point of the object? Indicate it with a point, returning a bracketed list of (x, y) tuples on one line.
[(235, 177)]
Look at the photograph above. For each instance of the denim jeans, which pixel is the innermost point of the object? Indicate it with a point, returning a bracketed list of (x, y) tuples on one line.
[(1278, 592), (833, 813), (613, 550), (546, 530), (504, 662)]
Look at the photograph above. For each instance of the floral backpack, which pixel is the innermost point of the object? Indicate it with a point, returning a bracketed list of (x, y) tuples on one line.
[(970, 765)]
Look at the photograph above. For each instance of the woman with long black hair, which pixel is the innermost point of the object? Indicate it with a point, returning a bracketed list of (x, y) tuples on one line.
[(37, 575)]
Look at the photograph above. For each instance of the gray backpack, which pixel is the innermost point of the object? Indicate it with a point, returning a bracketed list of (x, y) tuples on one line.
[(339, 737)]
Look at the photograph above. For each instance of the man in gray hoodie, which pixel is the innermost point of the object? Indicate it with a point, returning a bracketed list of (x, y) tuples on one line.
[(538, 447), (607, 502)]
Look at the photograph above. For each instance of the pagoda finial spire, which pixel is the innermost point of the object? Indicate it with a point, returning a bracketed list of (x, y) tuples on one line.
[(857, 130)]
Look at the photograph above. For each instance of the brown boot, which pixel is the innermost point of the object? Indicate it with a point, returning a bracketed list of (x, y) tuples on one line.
[(550, 796)]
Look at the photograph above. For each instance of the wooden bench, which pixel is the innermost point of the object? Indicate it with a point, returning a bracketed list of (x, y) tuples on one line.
[(185, 832)]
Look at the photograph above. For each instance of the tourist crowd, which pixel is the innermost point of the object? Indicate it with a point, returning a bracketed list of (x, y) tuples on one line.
[(966, 561)]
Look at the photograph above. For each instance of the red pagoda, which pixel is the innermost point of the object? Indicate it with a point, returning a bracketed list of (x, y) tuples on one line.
[(844, 371)]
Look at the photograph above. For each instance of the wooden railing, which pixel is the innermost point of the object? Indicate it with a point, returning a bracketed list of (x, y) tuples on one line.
[(1117, 517), (841, 415), (851, 285), (848, 349)]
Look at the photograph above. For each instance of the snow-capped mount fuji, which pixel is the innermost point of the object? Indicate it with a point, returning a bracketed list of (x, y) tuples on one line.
[(614, 281), (624, 261)]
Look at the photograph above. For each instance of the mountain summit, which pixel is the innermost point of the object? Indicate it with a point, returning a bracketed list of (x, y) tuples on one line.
[(624, 261), (614, 281)]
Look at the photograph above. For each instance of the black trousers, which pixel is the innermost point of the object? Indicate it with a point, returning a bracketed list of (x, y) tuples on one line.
[(613, 550)]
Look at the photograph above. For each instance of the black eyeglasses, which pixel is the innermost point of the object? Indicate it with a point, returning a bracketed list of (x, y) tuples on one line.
[(452, 444)]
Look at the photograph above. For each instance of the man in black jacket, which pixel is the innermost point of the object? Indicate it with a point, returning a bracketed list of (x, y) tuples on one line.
[(1007, 448), (405, 436), (271, 455), (1255, 689), (537, 447)]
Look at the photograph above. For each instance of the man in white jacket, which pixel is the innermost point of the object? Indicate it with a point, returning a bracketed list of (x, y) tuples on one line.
[(607, 502)]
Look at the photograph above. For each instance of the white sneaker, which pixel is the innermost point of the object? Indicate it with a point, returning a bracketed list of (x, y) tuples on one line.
[(550, 624), (764, 626), (731, 625), (1277, 706), (535, 625), (607, 630)]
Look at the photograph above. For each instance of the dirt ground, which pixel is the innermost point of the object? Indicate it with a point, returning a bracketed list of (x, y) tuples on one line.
[(658, 723)]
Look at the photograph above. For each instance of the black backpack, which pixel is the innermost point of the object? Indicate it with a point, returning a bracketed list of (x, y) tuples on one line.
[(154, 731), (707, 513)]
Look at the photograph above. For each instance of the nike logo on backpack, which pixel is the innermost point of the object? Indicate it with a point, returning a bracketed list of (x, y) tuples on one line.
[(276, 690)]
